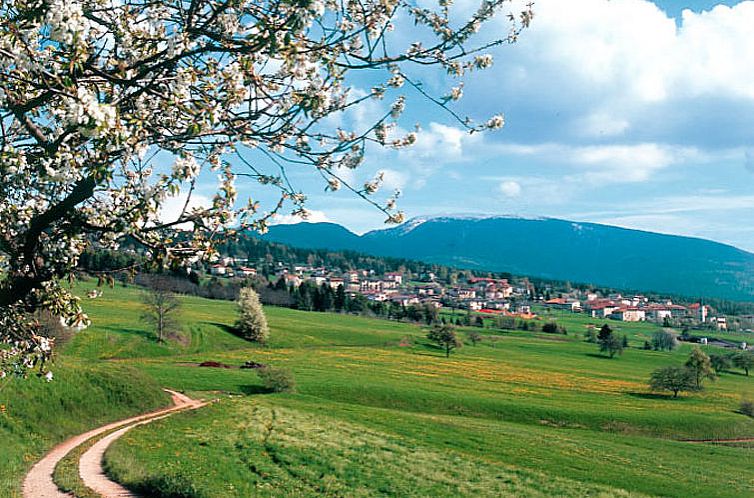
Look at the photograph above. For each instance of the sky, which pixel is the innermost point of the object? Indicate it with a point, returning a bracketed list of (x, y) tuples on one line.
[(625, 112)]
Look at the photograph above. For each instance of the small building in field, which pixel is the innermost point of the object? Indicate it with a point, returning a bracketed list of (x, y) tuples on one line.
[(394, 277), (247, 272), (334, 282), (562, 303), (218, 270), (292, 280), (698, 312), (629, 314)]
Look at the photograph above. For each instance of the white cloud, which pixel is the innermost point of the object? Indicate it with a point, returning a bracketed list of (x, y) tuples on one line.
[(510, 188), (602, 164), (289, 219), (444, 141), (602, 124), (173, 208), (623, 68), (394, 180)]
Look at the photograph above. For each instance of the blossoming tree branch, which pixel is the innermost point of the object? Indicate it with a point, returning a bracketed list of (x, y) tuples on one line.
[(110, 107)]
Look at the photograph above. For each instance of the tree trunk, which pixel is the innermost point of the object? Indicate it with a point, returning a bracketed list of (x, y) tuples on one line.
[(160, 325), (19, 289)]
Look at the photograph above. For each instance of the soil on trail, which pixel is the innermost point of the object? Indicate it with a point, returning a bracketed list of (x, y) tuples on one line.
[(39, 481)]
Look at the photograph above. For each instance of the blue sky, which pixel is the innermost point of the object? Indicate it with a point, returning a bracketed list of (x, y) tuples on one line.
[(625, 112)]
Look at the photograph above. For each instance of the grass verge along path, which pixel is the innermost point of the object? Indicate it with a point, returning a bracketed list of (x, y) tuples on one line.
[(39, 481)]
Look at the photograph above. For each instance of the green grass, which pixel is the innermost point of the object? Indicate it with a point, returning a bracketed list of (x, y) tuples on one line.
[(36, 415), (379, 411), (269, 449)]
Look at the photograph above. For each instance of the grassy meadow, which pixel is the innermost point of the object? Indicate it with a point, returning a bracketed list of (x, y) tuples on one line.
[(380, 412)]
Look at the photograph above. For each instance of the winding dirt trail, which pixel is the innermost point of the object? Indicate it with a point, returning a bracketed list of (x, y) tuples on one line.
[(39, 481)]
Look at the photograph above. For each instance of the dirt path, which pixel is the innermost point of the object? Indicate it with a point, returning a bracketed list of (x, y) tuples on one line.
[(39, 482)]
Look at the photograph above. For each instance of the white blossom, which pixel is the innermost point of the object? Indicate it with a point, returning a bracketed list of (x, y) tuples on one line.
[(496, 122)]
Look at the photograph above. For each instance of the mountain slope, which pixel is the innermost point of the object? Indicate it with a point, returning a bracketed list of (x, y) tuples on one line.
[(551, 248)]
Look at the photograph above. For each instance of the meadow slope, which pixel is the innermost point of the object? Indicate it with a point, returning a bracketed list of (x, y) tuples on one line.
[(379, 411)]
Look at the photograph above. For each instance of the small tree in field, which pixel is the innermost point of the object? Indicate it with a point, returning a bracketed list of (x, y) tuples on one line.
[(161, 306), (605, 332), (590, 335), (720, 362), (674, 379), (445, 336), (609, 342), (744, 361), (252, 322), (474, 337), (664, 340), (550, 328), (700, 365)]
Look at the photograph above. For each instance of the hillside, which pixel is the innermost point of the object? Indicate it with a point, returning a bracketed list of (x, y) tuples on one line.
[(380, 411), (550, 248)]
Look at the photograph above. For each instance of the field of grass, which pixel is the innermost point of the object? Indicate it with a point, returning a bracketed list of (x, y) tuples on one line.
[(35, 415), (379, 411)]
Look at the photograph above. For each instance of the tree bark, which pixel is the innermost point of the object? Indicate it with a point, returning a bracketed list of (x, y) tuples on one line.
[(21, 285)]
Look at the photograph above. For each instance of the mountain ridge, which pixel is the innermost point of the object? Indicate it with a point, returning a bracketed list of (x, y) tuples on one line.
[(553, 248)]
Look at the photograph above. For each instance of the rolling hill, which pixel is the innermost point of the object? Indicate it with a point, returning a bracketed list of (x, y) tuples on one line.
[(550, 248)]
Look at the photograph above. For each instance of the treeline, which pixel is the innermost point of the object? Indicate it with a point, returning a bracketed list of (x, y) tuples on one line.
[(265, 256)]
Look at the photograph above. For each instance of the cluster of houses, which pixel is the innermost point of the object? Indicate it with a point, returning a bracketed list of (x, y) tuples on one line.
[(639, 309), (487, 295), (476, 294)]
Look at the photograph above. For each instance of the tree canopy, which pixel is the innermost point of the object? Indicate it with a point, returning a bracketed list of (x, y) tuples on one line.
[(445, 336), (674, 379)]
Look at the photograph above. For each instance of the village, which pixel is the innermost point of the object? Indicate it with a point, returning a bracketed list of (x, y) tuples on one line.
[(516, 298)]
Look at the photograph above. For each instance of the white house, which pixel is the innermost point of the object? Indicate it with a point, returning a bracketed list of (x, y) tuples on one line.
[(247, 272), (218, 269), (394, 277), (629, 314)]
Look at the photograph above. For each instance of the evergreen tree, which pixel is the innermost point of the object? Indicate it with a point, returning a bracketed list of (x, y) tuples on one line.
[(340, 298), (281, 284), (609, 342), (605, 333)]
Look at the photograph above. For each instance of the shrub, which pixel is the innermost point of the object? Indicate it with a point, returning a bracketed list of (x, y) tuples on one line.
[(747, 407), (277, 379), (550, 328), (664, 340), (252, 323), (590, 335), (474, 337)]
